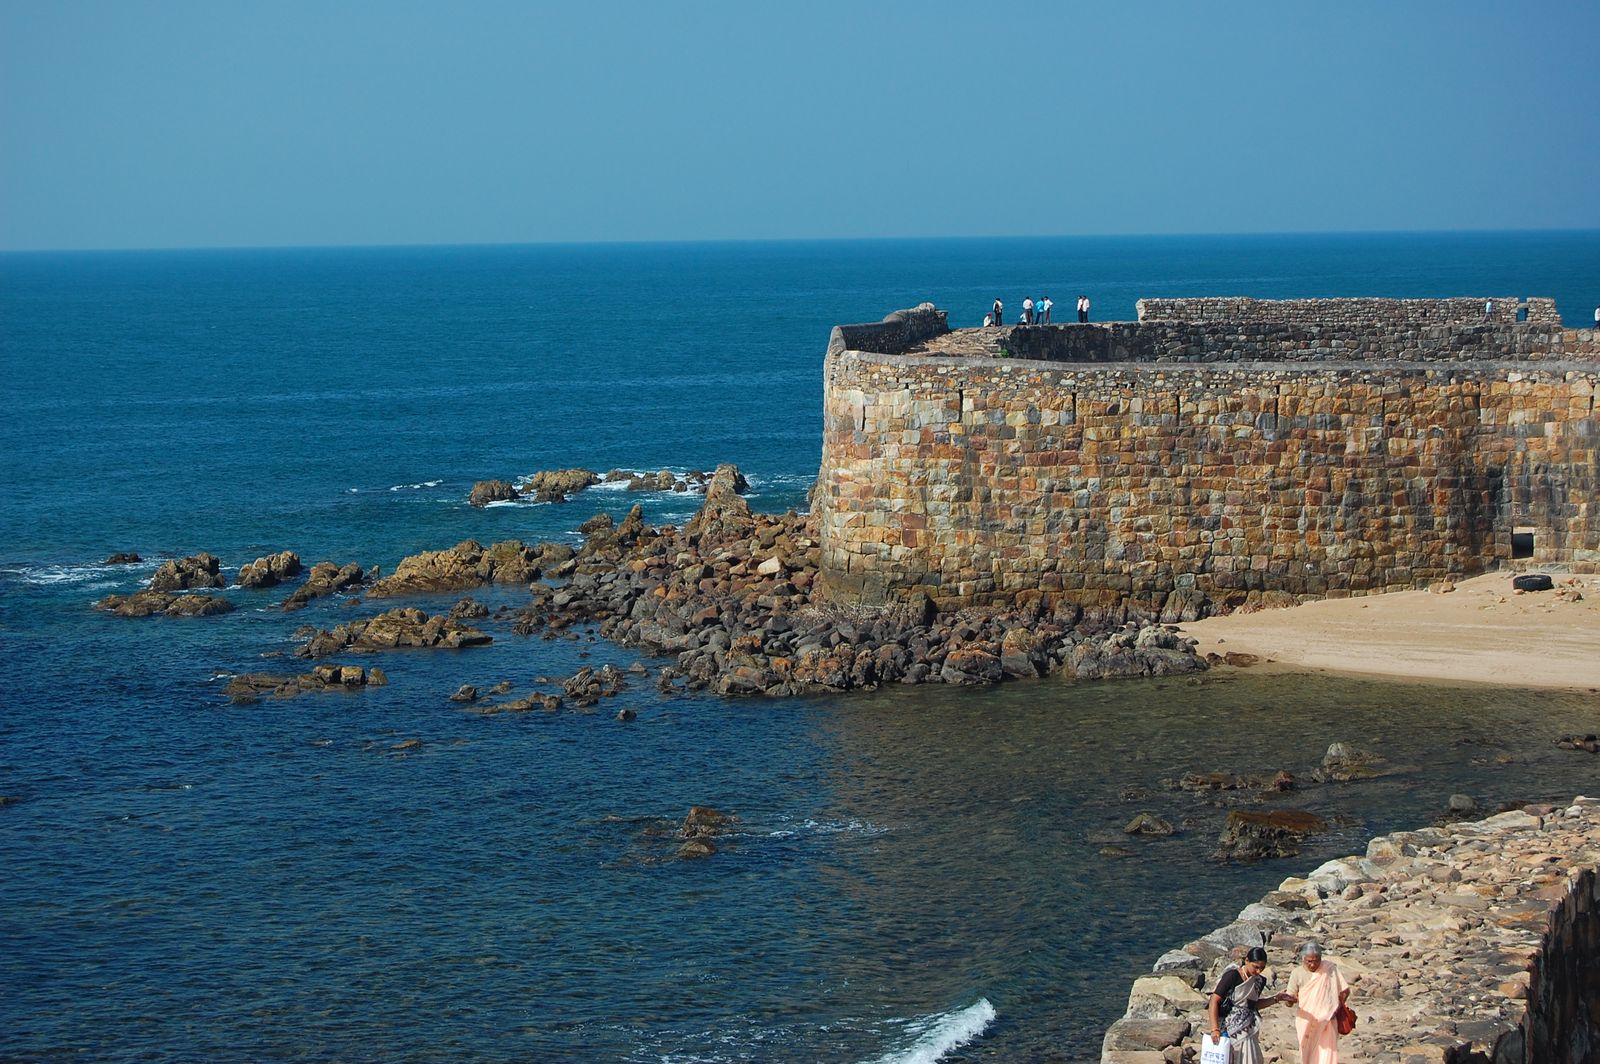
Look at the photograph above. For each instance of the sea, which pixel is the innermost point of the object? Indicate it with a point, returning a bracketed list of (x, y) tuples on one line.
[(916, 873)]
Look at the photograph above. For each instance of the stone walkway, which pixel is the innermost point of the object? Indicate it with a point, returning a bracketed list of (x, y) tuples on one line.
[(1444, 934)]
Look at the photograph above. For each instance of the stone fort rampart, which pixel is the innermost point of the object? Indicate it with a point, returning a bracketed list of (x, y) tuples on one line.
[(1217, 453)]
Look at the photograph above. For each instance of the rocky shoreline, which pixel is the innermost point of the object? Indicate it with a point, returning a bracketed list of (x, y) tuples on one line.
[(732, 597), (1472, 943)]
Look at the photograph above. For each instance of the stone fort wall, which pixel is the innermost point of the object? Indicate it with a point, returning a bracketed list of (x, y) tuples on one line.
[(1361, 313), (1180, 487)]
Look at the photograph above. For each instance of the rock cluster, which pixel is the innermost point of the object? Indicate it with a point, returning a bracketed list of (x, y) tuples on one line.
[(485, 492), (700, 828), (181, 574), (253, 686), (271, 570), (401, 627), (731, 594), (164, 604), (554, 485), (123, 557), (1463, 944), (1251, 835), (327, 578), (470, 564)]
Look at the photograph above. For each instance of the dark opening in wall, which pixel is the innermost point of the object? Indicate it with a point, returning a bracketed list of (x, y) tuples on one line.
[(1521, 542)]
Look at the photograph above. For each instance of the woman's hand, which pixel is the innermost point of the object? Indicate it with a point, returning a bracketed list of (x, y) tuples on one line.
[(1288, 998)]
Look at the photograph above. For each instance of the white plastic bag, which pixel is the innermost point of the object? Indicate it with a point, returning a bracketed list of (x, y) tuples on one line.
[(1214, 1052)]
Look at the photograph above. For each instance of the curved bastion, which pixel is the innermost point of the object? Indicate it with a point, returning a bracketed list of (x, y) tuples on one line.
[(1214, 454)]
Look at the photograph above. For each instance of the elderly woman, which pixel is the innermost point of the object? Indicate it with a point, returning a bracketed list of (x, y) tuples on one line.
[(1234, 1004), (1317, 991)]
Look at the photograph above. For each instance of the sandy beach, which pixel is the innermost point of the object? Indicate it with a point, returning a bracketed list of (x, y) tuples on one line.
[(1481, 632)]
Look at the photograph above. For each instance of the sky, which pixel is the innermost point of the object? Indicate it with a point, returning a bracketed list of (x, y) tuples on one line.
[(348, 122)]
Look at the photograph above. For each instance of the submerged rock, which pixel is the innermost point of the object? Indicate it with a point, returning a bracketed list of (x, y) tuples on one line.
[(1148, 824), (122, 558), (253, 686), (403, 627), (164, 604), (1251, 835)]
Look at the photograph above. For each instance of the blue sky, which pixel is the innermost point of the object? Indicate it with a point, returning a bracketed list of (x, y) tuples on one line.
[(226, 123)]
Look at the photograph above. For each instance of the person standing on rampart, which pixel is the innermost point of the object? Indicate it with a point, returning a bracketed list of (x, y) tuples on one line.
[(1048, 304), (1083, 310), (999, 308), (1027, 311), (1488, 310)]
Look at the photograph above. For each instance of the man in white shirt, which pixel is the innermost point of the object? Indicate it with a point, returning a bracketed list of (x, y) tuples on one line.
[(1027, 311), (1048, 303)]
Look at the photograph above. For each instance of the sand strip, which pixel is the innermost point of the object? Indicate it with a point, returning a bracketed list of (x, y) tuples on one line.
[(1481, 632)]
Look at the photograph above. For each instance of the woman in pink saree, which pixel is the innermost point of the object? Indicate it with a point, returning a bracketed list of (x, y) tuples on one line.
[(1317, 991)]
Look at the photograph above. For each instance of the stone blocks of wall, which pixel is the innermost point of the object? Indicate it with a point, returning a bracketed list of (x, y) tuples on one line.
[(1368, 314), (897, 332), (1176, 487), (1206, 341)]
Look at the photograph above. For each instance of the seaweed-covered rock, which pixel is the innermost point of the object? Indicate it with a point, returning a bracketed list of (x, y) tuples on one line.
[(1250, 835)]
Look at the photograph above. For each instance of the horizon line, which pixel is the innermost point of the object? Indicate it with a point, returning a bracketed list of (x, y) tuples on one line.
[(710, 241)]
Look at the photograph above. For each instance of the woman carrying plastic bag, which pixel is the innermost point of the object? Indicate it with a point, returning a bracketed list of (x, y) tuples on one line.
[(1234, 1005)]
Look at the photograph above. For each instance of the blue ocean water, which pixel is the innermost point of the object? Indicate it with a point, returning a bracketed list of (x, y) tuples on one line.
[(914, 870)]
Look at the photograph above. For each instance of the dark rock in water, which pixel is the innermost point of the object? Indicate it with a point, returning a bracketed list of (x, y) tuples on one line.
[(1251, 835), (554, 485), (376, 677), (1149, 825), (971, 665), (1532, 582), (501, 688), (485, 492), (1463, 805), (197, 570), (1588, 743), (469, 609), (1115, 851), (8, 799), (465, 693), (626, 714), (253, 686), (697, 847), (163, 604), (703, 820), (325, 579), (122, 558), (404, 627), (407, 744), (1343, 763), (270, 570)]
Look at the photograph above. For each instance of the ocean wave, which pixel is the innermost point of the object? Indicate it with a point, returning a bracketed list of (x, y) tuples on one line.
[(862, 828), (414, 487), (73, 575), (942, 1033)]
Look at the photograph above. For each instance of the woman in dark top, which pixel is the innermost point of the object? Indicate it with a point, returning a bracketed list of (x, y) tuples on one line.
[(1234, 1004)]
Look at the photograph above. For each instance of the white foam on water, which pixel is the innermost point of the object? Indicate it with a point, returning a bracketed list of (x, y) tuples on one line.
[(502, 502), (941, 1033), (413, 487), (69, 575)]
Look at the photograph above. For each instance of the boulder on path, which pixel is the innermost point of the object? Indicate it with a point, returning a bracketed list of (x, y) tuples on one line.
[(270, 570), (724, 515), (1250, 835), (485, 492), (325, 578), (197, 570), (164, 604)]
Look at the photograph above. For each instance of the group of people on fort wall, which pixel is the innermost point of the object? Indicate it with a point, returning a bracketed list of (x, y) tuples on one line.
[(1034, 312), (1316, 991)]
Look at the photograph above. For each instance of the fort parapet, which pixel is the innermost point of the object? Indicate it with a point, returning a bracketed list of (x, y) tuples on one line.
[(1214, 454)]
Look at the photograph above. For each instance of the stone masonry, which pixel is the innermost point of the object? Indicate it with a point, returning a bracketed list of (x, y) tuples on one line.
[(1183, 466), (1475, 943)]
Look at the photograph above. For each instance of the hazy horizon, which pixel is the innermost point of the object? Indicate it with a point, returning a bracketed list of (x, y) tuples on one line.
[(178, 124)]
